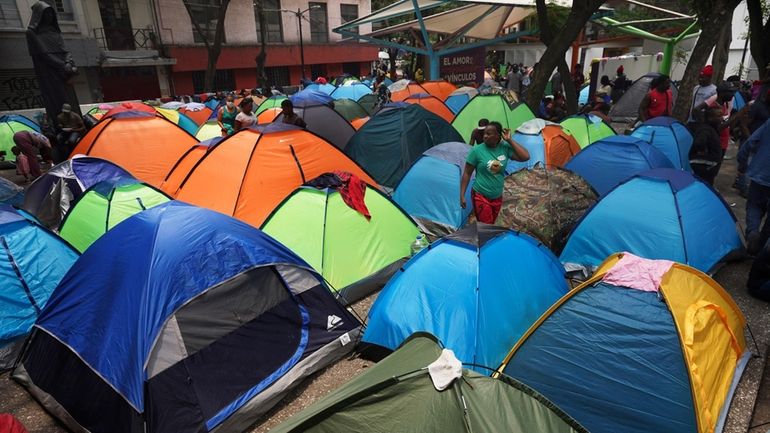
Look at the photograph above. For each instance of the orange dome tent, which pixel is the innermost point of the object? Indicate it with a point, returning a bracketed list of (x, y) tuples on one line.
[(198, 116), (439, 88), (432, 104), (268, 115), (358, 123), (147, 145), (129, 106), (410, 89), (546, 142), (249, 173)]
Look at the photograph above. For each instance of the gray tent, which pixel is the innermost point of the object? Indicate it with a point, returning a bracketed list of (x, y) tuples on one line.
[(627, 108), (324, 121)]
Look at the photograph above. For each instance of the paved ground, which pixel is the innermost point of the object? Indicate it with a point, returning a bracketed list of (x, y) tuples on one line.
[(733, 276)]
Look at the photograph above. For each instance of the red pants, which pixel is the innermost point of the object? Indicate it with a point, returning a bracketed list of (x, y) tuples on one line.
[(486, 209)]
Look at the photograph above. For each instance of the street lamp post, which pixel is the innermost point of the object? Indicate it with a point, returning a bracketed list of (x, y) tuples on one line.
[(298, 14)]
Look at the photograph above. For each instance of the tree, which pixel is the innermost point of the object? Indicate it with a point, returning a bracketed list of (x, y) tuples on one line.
[(261, 58), (204, 14), (557, 47), (722, 49), (759, 34), (712, 14)]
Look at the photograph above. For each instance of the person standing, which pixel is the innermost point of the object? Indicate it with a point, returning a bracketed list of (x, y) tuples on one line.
[(658, 101), (578, 78), (246, 117), (383, 95), (706, 150), (758, 171), (226, 116), (723, 100), (489, 160), (477, 136), (619, 85), (514, 80), (703, 91)]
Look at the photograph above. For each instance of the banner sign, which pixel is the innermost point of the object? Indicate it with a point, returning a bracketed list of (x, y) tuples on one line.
[(464, 67)]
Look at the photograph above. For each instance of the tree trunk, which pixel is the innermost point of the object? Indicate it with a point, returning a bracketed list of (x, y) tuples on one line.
[(759, 37), (722, 51), (557, 46), (711, 18), (213, 48), (570, 94), (261, 58)]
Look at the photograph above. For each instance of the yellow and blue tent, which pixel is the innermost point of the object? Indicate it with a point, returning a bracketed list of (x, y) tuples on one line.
[(643, 346), (179, 119)]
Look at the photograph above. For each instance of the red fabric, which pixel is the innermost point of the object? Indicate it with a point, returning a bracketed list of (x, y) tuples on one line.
[(9, 424), (486, 210), (352, 191), (660, 103)]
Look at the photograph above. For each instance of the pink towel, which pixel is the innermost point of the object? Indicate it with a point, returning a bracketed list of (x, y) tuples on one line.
[(638, 273)]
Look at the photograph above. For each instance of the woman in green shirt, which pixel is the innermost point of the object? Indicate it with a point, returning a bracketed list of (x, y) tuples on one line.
[(488, 160)]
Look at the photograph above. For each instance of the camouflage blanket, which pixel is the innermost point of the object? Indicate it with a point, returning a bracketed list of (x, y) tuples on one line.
[(545, 203)]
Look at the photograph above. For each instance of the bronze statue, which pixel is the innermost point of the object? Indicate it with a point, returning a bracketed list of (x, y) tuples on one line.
[(53, 64)]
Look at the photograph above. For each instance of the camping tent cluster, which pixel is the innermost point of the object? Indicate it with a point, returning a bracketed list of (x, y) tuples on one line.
[(189, 285)]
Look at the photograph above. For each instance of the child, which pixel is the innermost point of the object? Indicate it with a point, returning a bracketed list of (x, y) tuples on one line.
[(22, 163)]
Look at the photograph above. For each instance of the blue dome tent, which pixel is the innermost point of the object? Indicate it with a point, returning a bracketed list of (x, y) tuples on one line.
[(510, 277), (659, 214), (438, 170), (196, 322), (670, 137), (354, 91), (32, 262), (324, 88), (309, 96), (611, 160)]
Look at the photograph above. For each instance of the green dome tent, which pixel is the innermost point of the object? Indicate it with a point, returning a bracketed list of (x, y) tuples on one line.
[(349, 109), (271, 102), (391, 141), (103, 206), (494, 108), (368, 103), (398, 394), (354, 254), (587, 128)]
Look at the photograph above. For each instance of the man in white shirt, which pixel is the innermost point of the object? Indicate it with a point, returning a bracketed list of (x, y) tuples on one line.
[(704, 90)]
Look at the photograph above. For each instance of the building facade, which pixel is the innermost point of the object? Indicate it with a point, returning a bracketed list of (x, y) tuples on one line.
[(325, 53), (140, 49)]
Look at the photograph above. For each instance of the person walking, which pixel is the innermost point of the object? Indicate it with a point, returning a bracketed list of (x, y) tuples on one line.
[(706, 150), (489, 160), (758, 171)]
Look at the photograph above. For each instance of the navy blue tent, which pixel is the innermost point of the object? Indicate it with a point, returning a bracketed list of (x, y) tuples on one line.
[(660, 214), (181, 319), (438, 171), (670, 137), (324, 121), (388, 144), (611, 160), (311, 96), (32, 262), (478, 289)]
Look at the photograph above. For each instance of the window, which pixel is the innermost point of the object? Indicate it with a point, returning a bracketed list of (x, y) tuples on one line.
[(205, 12), (9, 15), (64, 10), (349, 13), (223, 80), (319, 26), (272, 11), (278, 75)]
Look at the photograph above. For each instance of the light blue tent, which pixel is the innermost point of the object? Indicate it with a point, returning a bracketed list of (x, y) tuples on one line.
[(611, 160), (660, 214), (670, 137), (32, 262), (352, 91), (457, 102), (324, 88), (438, 171), (187, 124), (478, 290), (583, 95)]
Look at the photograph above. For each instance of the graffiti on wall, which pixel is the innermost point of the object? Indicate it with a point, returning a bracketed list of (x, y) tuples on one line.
[(19, 90)]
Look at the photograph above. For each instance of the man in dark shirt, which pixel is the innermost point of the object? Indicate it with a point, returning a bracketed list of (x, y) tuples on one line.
[(477, 136), (71, 128), (706, 151)]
